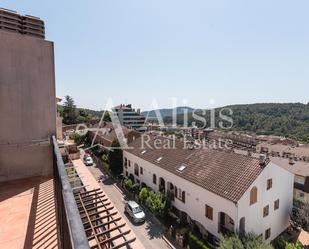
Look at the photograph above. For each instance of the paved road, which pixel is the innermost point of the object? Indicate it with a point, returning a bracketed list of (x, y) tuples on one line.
[(149, 232)]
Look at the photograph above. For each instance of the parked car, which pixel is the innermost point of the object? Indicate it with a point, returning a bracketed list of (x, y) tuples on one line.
[(134, 211), (103, 178), (88, 161), (86, 155)]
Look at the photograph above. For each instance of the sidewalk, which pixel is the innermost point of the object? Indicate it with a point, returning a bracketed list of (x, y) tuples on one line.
[(91, 183)]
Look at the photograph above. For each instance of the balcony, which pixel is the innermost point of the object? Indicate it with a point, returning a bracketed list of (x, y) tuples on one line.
[(27, 214), (61, 211)]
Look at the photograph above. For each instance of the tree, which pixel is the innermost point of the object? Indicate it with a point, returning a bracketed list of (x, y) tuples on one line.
[(107, 117), (300, 216), (128, 184), (157, 203), (115, 158), (249, 241), (78, 139), (143, 194), (69, 111)]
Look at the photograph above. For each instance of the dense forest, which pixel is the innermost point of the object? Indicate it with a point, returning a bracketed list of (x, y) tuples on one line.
[(289, 119)]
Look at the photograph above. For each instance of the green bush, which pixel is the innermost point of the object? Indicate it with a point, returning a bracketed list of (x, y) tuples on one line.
[(297, 245), (157, 203), (250, 240), (196, 243), (280, 243), (78, 139), (105, 158), (143, 194), (128, 184)]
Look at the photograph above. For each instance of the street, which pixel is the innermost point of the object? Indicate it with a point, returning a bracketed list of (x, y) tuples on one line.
[(149, 233)]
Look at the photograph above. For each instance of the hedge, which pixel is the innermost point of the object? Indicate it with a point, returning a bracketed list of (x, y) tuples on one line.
[(196, 243)]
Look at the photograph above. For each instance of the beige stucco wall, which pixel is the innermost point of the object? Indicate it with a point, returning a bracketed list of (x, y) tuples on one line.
[(27, 105)]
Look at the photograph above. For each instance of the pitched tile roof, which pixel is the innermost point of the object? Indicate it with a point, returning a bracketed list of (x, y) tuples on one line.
[(226, 174)]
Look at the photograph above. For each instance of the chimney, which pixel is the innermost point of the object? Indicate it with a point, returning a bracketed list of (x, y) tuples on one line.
[(262, 159)]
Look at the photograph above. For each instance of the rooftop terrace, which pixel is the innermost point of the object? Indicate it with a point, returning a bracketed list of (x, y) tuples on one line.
[(28, 214)]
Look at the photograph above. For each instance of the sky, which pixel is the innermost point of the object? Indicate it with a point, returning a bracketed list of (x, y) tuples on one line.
[(202, 53)]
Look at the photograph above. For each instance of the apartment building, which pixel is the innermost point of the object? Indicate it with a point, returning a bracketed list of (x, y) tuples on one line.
[(216, 191), (130, 117), (27, 98)]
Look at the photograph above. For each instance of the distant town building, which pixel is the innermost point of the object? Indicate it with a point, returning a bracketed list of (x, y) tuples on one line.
[(215, 191), (130, 117), (293, 157), (238, 140), (300, 169), (279, 149), (106, 134)]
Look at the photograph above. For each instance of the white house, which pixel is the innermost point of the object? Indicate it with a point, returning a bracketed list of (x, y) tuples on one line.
[(215, 190)]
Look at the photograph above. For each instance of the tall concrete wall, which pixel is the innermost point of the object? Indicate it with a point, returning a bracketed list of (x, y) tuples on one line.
[(27, 106)]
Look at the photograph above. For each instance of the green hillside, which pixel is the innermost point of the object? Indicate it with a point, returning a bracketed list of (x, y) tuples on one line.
[(289, 119)]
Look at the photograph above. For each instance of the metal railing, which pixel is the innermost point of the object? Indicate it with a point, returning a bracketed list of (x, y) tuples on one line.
[(71, 230)]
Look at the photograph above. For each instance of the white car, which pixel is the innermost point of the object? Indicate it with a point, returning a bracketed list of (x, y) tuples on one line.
[(88, 161), (135, 211)]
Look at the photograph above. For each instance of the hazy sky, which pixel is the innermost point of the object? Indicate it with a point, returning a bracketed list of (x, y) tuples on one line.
[(136, 50)]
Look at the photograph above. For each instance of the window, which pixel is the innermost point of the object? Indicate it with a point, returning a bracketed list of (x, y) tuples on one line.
[(183, 196), (127, 174), (176, 191), (125, 162), (266, 211), (209, 212), (253, 195), (136, 169), (276, 204), (181, 168), (269, 183), (154, 179), (141, 170), (179, 196), (129, 163), (267, 233)]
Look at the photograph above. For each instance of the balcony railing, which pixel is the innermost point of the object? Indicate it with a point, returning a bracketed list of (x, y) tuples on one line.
[(71, 230)]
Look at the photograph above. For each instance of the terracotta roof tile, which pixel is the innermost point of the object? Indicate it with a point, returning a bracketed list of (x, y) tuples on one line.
[(226, 174)]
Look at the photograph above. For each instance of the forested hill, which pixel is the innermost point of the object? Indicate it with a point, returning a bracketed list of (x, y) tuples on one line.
[(289, 119)]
